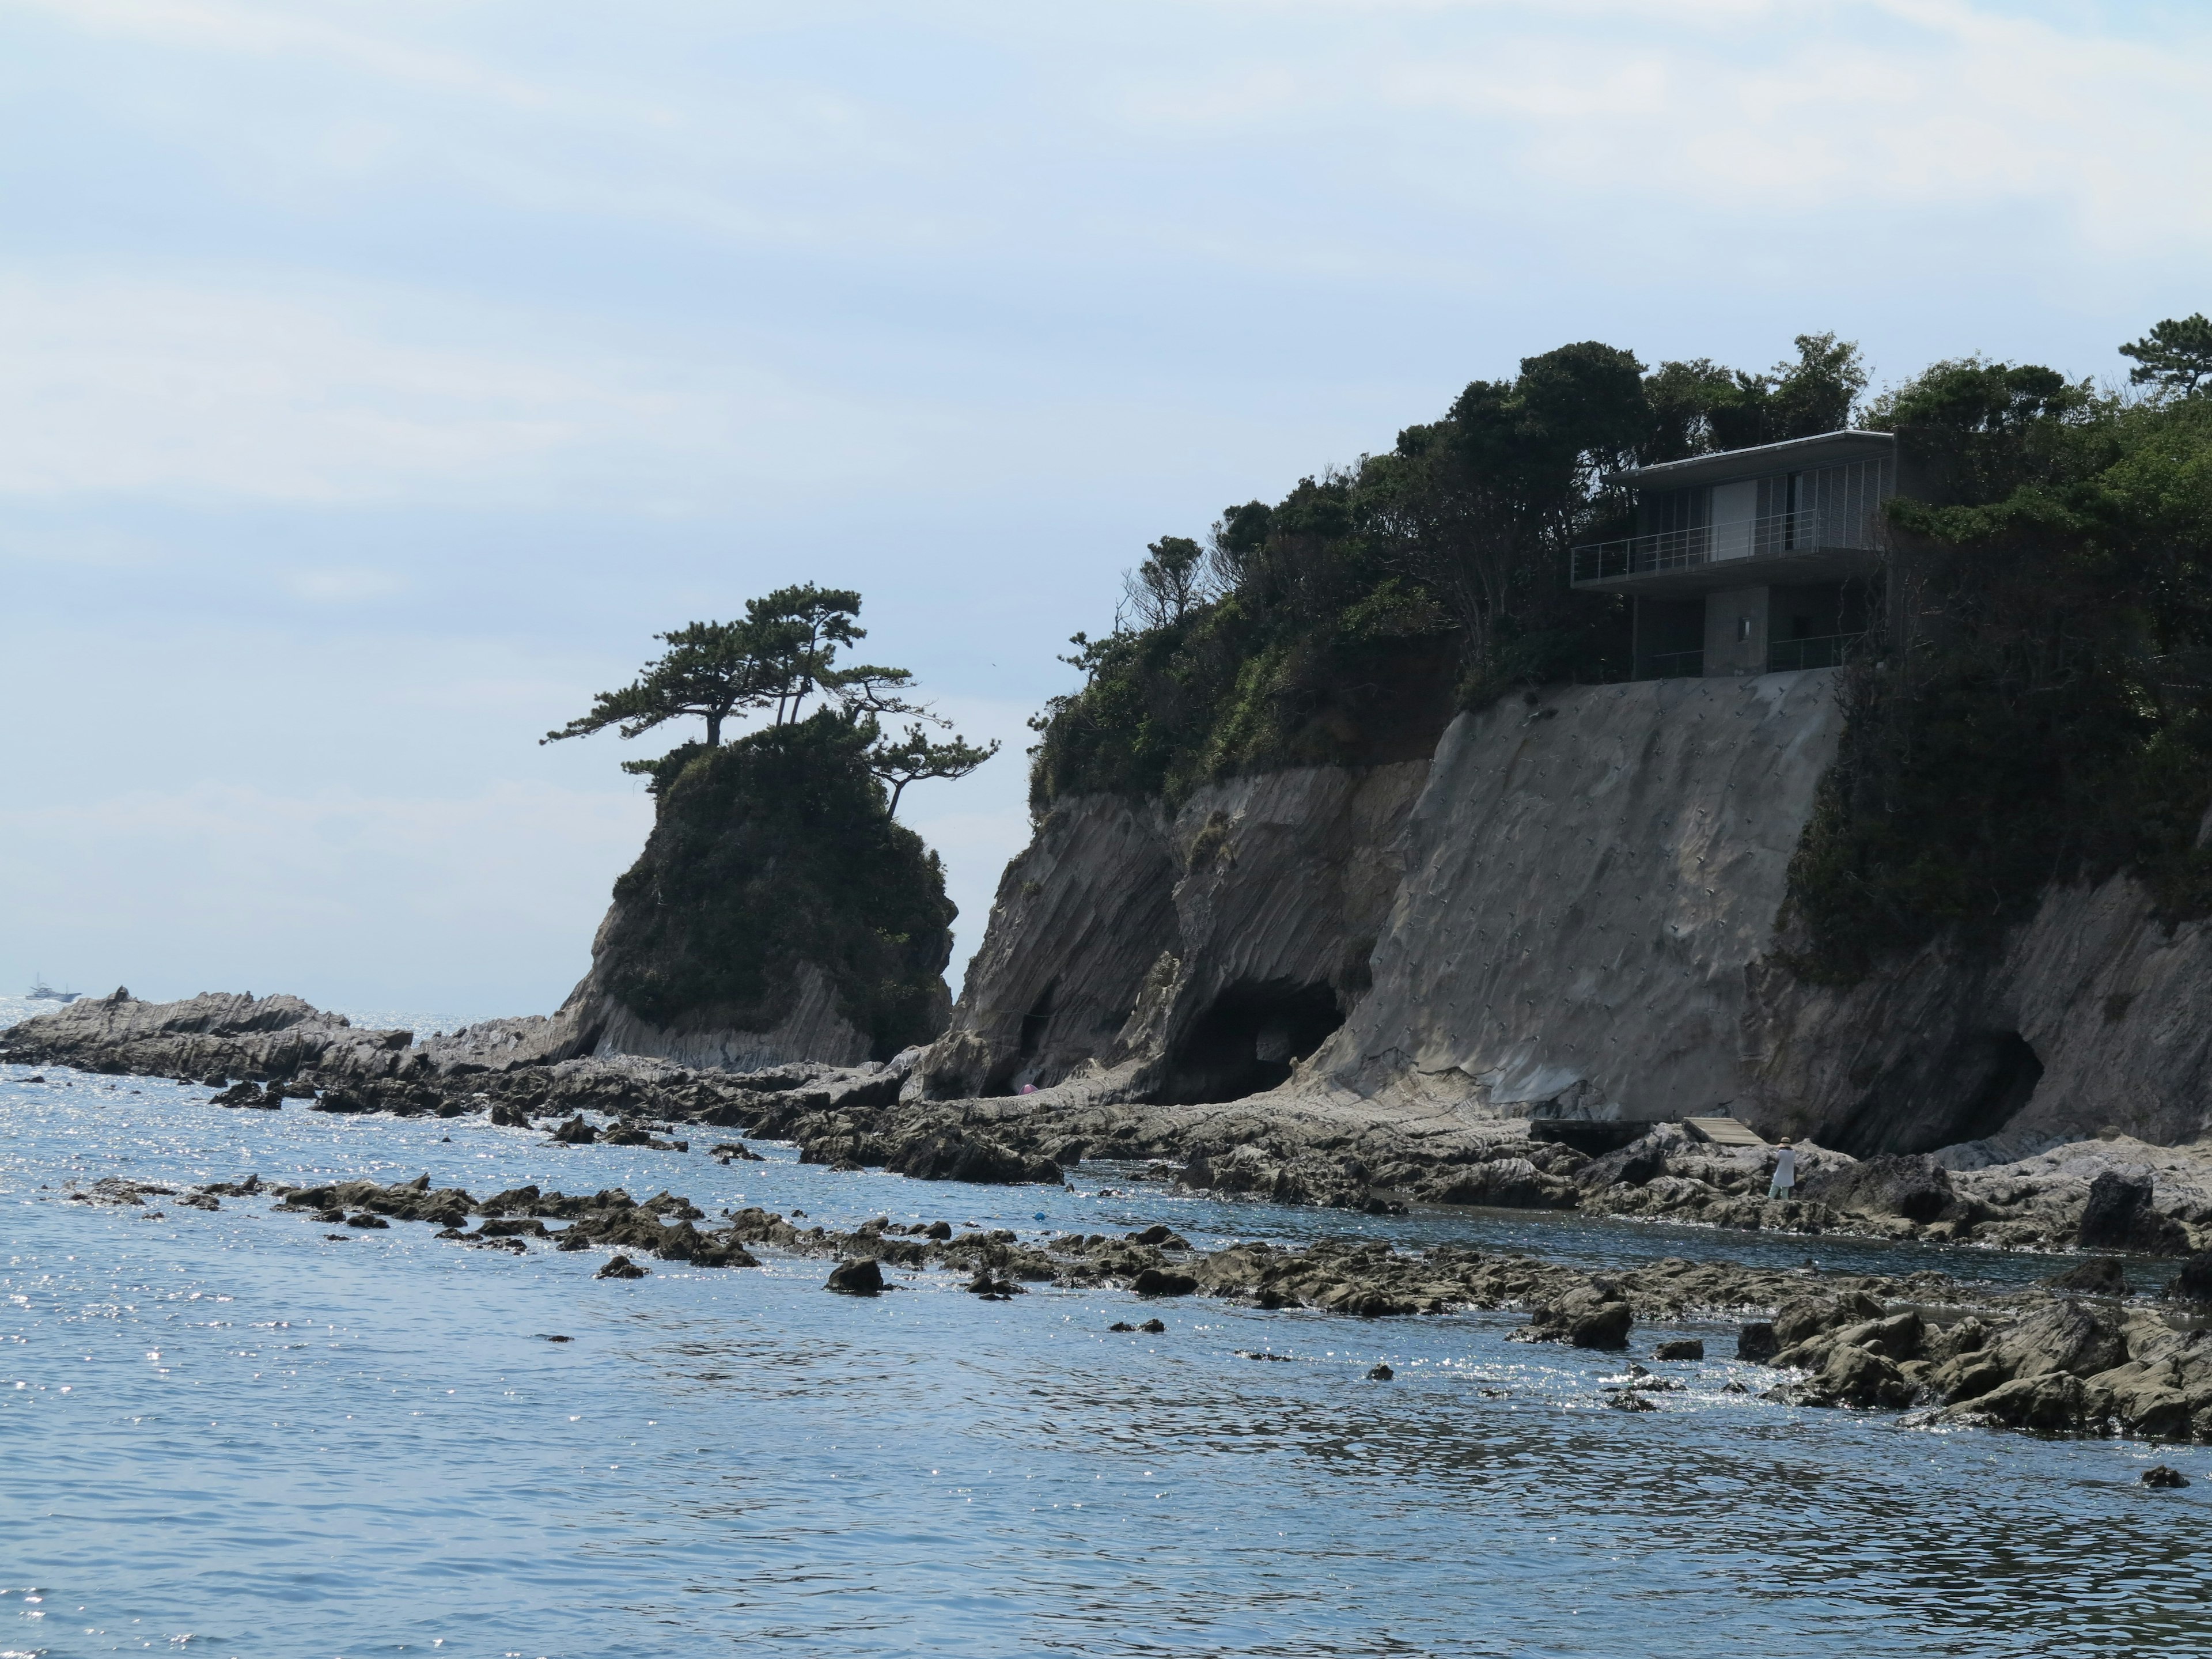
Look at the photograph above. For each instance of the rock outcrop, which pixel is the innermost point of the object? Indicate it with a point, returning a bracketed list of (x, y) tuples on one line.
[(1576, 911)]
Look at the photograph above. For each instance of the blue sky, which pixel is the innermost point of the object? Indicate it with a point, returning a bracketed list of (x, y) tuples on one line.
[(378, 377)]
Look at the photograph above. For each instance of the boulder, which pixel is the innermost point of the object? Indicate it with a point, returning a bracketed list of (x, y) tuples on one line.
[(2118, 1216), (1893, 1183), (1757, 1341), (2099, 1276), (1504, 1183), (1594, 1315), (2064, 1337), (1381, 1374), (2164, 1477), (575, 1132), (1682, 1347), (859, 1277), (622, 1266), (2194, 1282), (1857, 1377)]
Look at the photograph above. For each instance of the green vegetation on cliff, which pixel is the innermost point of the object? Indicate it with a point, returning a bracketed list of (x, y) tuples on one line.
[(769, 854), (777, 851), (2041, 708), (1347, 623)]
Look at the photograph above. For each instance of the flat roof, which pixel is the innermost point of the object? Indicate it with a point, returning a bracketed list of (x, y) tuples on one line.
[(1757, 461)]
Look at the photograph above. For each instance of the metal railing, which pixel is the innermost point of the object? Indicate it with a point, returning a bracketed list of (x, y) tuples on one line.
[(1822, 651), (1706, 544), (1674, 666)]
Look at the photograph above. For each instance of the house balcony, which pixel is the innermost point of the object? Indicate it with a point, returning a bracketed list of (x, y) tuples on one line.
[(1801, 546)]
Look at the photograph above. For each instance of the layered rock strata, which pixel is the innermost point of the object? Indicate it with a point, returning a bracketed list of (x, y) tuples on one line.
[(1576, 912)]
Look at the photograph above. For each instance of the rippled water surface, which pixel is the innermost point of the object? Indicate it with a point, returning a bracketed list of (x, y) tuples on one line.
[(225, 1433)]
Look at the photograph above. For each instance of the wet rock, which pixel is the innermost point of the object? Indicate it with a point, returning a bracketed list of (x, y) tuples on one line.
[(735, 1151), (1381, 1374), (1856, 1376), (859, 1277), (2164, 1477), (1121, 1325), (1153, 1327), (1160, 1236), (1681, 1347), (950, 1155), (993, 1290), (1626, 1401), (2118, 1216), (507, 1115), (2064, 1337), (622, 1267), (1159, 1281), (362, 1218), (1593, 1314), (2194, 1282), (250, 1095), (2101, 1276), (1513, 1183), (1756, 1340), (939, 1231), (575, 1132), (2052, 1403)]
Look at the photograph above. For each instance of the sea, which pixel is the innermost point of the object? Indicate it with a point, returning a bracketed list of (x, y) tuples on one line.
[(231, 1433)]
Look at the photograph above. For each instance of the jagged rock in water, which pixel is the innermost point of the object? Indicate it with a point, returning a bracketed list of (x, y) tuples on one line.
[(2100, 1277), (1593, 1314), (2194, 1282), (2118, 1216), (860, 1277)]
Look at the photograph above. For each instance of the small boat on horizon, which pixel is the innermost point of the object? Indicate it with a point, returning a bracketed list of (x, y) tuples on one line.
[(42, 992)]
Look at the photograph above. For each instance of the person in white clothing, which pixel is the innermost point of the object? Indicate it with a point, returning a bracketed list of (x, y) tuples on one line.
[(1785, 1170)]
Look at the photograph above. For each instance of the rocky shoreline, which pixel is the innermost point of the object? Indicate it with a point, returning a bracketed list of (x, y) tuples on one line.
[(2078, 1355), (2075, 1356), (2110, 1193)]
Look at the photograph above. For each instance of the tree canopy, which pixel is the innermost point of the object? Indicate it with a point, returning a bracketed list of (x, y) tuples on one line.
[(1349, 620), (2176, 355), (783, 654)]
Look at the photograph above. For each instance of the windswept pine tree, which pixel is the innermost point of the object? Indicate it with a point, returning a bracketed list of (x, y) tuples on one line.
[(774, 856)]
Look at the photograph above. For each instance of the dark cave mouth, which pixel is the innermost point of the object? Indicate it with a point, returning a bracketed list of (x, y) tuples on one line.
[(1249, 1041)]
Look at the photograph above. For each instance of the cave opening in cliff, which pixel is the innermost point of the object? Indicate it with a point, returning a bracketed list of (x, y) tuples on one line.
[(2012, 1072), (1250, 1040)]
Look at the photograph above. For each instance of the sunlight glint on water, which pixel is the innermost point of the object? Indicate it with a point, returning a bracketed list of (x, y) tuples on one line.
[(225, 1426)]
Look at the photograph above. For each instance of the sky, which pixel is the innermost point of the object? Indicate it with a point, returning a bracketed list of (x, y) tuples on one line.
[(378, 376)]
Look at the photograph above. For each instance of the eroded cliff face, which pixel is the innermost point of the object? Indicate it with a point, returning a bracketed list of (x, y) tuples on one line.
[(1196, 957), (1585, 883), (1570, 912), (2091, 1018)]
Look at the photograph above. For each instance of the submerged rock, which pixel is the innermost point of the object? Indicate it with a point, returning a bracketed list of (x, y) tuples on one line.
[(2163, 1477), (622, 1267)]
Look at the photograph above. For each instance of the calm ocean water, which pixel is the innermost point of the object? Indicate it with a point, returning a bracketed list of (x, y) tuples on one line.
[(225, 1434)]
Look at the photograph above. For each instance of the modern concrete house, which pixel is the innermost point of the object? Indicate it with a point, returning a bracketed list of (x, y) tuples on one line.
[(1751, 560)]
